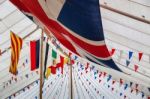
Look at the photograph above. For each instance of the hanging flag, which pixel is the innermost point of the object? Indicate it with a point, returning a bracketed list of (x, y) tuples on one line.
[(53, 69), (66, 60), (135, 68), (126, 86), (127, 62), (71, 28), (120, 94), (109, 77), (143, 95), (16, 46), (136, 86), (46, 58), (0, 52), (61, 64), (130, 54), (112, 51), (113, 82), (54, 54), (121, 81), (140, 55), (149, 89), (34, 54), (131, 83), (48, 72), (104, 74), (26, 60)]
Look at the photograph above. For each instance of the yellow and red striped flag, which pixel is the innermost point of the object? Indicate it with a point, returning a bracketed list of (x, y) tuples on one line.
[(16, 45)]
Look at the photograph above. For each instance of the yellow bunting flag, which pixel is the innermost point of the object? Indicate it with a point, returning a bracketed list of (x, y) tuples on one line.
[(16, 46), (48, 72), (66, 60)]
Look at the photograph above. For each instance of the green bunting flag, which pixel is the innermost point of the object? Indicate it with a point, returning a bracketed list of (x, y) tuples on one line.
[(54, 54)]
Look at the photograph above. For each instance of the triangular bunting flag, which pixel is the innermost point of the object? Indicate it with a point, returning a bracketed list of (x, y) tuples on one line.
[(135, 68), (112, 51), (130, 54), (131, 84), (127, 62), (121, 81), (140, 55), (126, 86)]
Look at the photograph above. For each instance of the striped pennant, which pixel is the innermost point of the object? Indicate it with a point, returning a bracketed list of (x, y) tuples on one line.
[(16, 46)]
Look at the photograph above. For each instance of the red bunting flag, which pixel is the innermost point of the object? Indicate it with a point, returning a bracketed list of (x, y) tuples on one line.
[(100, 81), (113, 82), (61, 64), (87, 66), (121, 81), (112, 51), (136, 86), (70, 54), (86, 71), (104, 74), (135, 68), (137, 91), (100, 74), (140, 55), (53, 69), (0, 52)]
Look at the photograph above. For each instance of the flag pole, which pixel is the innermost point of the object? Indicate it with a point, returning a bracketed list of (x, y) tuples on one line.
[(41, 65), (71, 87)]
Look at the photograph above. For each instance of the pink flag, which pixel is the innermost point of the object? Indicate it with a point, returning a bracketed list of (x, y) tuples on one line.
[(135, 68)]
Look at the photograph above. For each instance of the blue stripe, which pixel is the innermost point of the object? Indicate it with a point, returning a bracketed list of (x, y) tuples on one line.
[(83, 17), (37, 53)]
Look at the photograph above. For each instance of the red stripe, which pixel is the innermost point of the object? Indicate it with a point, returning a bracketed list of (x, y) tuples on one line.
[(35, 8), (33, 55), (20, 5)]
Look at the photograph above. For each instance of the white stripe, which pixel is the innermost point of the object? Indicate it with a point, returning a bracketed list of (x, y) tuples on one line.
[(83, 52), (52, 8), (95, 43)]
